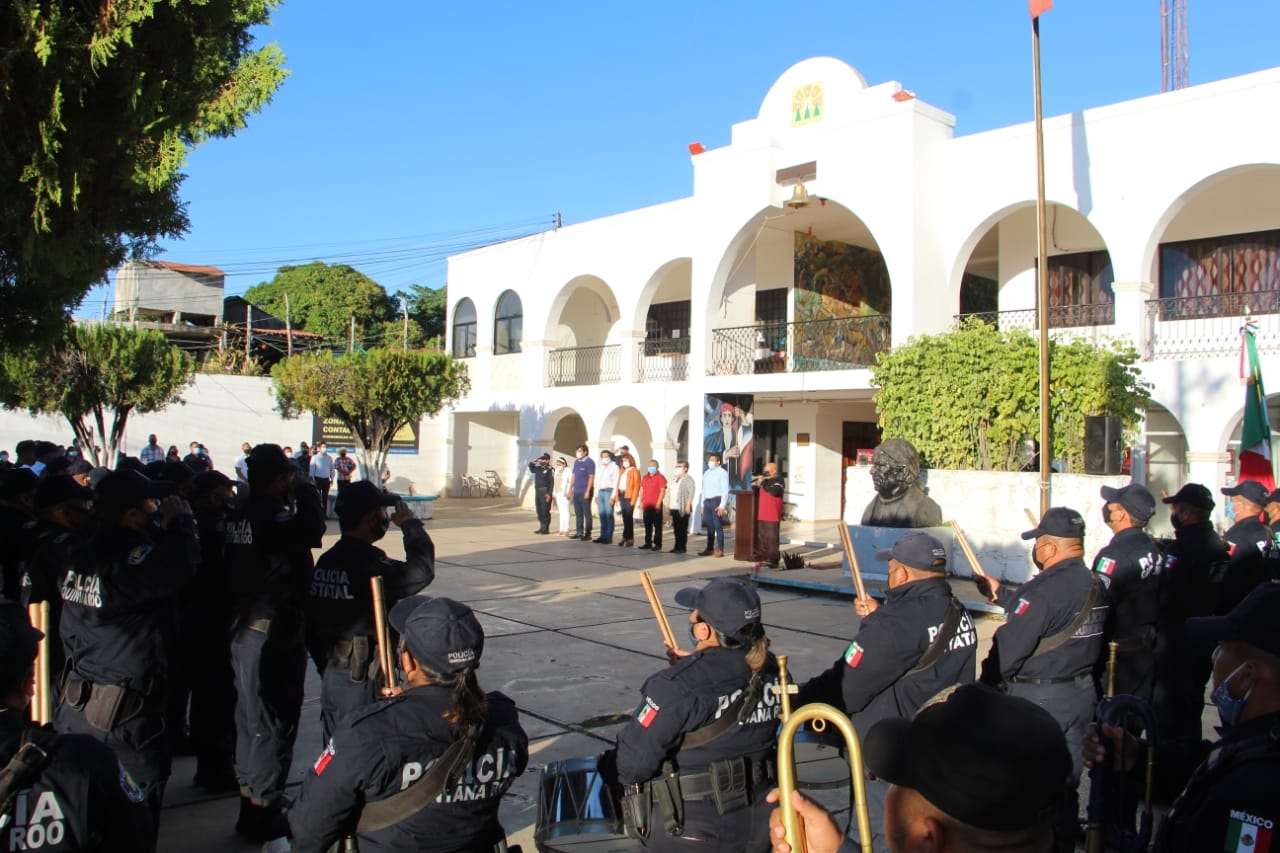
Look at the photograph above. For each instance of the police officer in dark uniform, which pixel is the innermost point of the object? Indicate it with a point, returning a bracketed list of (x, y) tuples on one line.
[(17, 506), (1191, 561), (268, 548), (64, 510), (920, 641), (117, 617), (1047, 650), (383, 776), (341, 635), (544, 484), (1130, 566), (1230, 802), (213, 690), (1248, 544), (701, 745), (57, 792)]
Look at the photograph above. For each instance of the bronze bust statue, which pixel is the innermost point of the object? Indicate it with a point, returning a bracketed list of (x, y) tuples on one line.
[(899, 500)]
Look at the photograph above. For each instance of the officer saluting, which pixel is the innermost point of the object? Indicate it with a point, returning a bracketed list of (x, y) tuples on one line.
[(117, 616), (1047, 649), (341, 636), (701, 745), (57, 792), (919, 642), (424, 770)]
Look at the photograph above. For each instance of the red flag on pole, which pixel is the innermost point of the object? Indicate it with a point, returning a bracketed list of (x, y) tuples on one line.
[(1039, 7)]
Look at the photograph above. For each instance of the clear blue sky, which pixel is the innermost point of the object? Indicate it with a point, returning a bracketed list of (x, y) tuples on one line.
[(410, 130)]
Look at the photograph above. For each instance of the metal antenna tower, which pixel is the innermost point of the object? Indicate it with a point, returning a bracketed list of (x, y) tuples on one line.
[(1173, 44)]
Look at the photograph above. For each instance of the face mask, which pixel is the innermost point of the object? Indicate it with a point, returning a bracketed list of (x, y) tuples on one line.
[(1106, 514), (652, 469), (1229, 709), (1176, 521), (1230, 510), (693, 638), (1035, 559), (605, 460), (384, 524), (713, 465)]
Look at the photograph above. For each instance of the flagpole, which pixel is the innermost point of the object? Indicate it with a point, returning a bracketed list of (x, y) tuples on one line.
[(1042, 276)]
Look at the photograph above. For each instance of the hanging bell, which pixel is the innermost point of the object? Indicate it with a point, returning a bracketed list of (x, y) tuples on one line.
[(799, 197)]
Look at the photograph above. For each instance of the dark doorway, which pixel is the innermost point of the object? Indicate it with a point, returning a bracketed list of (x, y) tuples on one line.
[(769, 443), (856, 435)]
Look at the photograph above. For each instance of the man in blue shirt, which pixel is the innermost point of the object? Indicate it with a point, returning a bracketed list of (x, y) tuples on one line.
[(584, 480), (715, 503)]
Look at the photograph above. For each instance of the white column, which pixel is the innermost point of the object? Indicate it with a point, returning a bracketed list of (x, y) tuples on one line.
[(1131, 311)]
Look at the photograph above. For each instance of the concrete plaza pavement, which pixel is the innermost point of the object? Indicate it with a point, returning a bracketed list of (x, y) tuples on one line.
[(569, 636)]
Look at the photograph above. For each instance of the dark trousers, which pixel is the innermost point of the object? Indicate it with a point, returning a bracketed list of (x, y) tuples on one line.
[(767, 542), (213, 703), (680, 529), (628, 519), (542, 505), (582, 510), (323, 484), (270, 668), (714, 524), (604, 505), (1072, 704), (653, 526), (745, 829)]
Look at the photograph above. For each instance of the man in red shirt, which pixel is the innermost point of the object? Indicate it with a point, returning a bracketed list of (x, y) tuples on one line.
[(653, 495), (770, 489)]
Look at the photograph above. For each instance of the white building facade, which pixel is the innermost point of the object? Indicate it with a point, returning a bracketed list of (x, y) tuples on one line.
[(1164, 229)]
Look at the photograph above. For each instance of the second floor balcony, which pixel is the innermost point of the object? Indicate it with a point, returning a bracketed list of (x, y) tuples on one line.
[(843, 343), (1210, 325), (583, 365)]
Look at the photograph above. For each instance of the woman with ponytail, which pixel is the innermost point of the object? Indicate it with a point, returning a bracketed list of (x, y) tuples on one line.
[(708, 721), (367, 782)]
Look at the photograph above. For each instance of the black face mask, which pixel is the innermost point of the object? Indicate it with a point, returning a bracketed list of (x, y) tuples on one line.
[(384, 524), (1106, 514), (1176, 521)]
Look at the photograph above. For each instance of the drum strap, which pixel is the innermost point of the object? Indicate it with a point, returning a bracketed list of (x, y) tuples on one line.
[(410, 801), (940, 641), (734, 714)]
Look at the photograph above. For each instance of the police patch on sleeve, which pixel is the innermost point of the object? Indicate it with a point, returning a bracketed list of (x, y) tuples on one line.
[(325, 757), (1106, 566), (648, 712), (132, 791), (139, 554)]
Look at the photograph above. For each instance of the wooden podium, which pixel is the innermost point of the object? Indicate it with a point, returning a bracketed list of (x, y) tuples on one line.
[(744, 525)]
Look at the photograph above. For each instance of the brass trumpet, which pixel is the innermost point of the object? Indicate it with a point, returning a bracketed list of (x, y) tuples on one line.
[(1101, 833), (819, 714)]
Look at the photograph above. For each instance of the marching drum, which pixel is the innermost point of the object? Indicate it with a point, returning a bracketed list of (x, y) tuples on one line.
[(578, 812)]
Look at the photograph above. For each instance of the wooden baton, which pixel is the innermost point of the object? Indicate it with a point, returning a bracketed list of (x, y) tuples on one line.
[(847, 542), (386, 660), (41, 700), (968, 552), (668, 638), (1031, 517)]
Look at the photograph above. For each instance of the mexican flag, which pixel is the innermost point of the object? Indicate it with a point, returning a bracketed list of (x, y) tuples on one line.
[(1246, 837), (1255, 436)]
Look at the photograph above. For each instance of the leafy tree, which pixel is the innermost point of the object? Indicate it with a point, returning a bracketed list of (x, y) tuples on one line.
[(374, 393), (969, 398), (101, 102), (427, 308), (94, 370), (324, 298)]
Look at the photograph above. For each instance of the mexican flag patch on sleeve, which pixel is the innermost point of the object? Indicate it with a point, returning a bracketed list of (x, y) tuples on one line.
[(1247, 834), (648, 712), (853, 655)]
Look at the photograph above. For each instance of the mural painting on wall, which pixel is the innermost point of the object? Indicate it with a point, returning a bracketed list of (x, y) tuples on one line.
[(846, 287), (726, 424), (806, 104)]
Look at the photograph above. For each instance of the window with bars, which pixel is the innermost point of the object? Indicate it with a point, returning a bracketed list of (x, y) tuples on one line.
[(667, 328), (1222, 275)]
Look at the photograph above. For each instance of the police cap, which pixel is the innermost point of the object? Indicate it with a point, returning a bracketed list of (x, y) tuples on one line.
[(442, 634), (993, 761), (726, 604)]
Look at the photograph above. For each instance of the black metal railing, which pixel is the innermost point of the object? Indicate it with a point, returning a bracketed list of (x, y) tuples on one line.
[(662, 360), (583, 365), (1060, 316), (841, 343)]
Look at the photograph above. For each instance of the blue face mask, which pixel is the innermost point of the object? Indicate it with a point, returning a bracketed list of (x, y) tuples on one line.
[(1230, 512), (1229, 709), (693, 638), (652, 469)]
